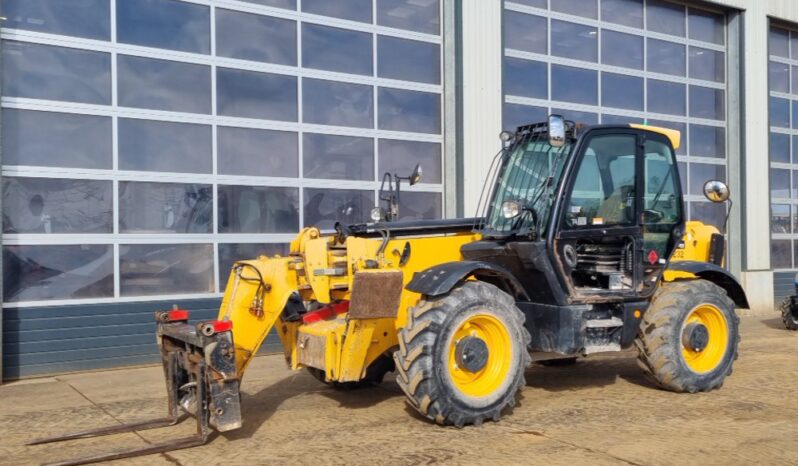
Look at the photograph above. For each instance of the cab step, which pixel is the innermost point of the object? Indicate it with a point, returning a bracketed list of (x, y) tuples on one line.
[(607, 348), (604, 323)]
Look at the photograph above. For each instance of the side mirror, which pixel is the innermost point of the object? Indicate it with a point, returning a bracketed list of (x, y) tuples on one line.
[(716, 191), (415, 177), (556, 131)]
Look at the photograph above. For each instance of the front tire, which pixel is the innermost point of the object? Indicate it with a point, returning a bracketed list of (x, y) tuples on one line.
[(688, 338), (789, 314), (462, 356)]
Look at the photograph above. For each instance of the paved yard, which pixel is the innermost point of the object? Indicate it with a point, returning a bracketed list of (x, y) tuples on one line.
[(601, 411)]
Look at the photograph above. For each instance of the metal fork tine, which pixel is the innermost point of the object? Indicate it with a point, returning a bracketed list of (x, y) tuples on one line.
[(200, 438), (143, 425), (198, 371), (188, 442)]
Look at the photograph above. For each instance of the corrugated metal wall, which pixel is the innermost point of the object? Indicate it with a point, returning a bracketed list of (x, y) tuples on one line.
[(48, 340), (783, 286), (481, 109)]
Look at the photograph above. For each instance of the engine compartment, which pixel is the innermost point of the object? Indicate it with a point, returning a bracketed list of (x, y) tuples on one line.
[(600, 263)]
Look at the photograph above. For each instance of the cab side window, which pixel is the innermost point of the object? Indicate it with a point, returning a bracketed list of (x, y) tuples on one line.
[(660, 198), (662, 206), (604, 188)]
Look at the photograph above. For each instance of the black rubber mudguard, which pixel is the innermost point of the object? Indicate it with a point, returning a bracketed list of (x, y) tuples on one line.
[(717, 275), (442, 278)]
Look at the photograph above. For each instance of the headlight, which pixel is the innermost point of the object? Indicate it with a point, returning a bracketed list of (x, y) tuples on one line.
[(510, 209), (376, 214), (506, 136)]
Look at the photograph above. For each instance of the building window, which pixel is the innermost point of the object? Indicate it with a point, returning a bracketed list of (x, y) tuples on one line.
[(783, 88), (39, 273), (57, 205), (162, 146), (148, 144), (47, 72), (252, 37), (24, 142), (626, 61), (79, 18), (157, 84), (166, 24)]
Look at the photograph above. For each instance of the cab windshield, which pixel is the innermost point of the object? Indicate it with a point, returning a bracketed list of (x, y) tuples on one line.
[(530, 172)]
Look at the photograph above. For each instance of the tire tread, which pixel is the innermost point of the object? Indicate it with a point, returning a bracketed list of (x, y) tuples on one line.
[(415, 364), (658, 357), (790, 320)]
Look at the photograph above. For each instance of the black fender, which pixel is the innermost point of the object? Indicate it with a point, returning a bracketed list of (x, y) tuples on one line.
[(442, 278), (715, 274)]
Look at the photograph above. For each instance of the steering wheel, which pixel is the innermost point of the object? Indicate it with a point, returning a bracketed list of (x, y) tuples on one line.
[(652, 216)]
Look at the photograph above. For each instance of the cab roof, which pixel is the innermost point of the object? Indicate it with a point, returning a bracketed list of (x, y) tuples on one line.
[(675, 136)]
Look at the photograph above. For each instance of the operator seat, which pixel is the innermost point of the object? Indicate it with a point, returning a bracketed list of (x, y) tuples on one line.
[(618, 208)]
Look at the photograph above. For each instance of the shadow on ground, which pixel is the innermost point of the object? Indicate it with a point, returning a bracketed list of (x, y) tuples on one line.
[(587, 373), (262, 404), (774, 323)]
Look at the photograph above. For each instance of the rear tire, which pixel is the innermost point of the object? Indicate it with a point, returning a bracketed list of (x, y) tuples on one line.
[(789, 314), (462, 356), (668, 350)]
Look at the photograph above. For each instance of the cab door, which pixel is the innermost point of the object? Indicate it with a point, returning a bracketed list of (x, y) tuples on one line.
[(617, 216), (662, 216), (599, 237)]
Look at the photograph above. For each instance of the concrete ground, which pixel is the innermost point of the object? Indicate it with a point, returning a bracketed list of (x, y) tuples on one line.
[(600, 411)]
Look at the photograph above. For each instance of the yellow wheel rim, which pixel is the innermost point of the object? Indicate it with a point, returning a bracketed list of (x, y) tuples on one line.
[(492, 375), (709, 357)]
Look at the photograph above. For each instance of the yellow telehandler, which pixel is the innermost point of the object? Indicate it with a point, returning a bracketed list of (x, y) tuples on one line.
[(582, 248)]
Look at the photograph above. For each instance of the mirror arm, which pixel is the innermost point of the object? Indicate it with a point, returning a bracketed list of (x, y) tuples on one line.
[(726, 220), (395, 200), (382, 185), (391, 196)]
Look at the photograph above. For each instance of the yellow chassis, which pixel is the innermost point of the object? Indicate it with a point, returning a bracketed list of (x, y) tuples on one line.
[(321, 271)]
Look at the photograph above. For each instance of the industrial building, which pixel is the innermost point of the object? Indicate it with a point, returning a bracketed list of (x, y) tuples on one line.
[(147, 144)]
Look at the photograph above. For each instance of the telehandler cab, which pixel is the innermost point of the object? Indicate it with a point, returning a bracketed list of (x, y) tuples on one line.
[(582, 248)]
